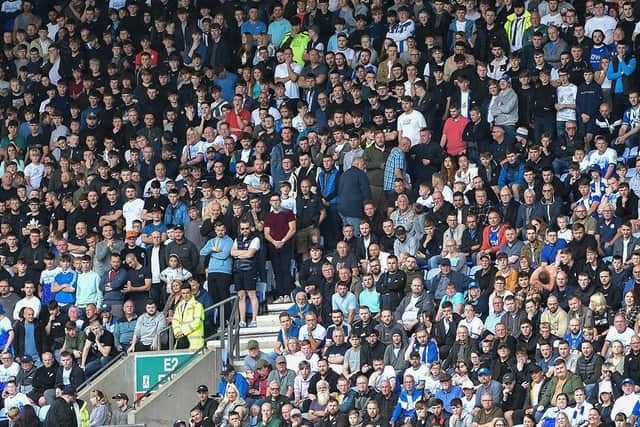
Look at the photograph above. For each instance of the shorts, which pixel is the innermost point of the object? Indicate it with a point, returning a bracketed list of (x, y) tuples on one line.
[(245, 280), (305, 238)]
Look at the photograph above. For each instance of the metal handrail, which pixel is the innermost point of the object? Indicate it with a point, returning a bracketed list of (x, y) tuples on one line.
[(228, 336), (104, 368)]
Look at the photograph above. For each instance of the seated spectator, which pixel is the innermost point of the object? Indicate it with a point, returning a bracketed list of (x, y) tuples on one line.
[(146, 335), (231, 406), (99, 349), (74, 340), (125, 328)]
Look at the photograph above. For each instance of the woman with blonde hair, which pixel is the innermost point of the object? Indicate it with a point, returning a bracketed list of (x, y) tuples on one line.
[(602, 316), (100, 409), (172, 300), (192, 152), (231, 402)]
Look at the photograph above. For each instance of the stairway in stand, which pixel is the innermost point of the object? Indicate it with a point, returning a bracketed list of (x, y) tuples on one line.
[(266, 333)]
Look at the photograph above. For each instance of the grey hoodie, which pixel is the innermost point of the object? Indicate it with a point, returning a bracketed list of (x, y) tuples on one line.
[(505, 108)]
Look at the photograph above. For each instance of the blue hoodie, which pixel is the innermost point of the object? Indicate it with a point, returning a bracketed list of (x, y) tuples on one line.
[(219, 262)]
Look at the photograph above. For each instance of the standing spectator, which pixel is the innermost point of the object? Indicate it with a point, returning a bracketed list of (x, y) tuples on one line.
[(188, 321), (353, 191), (279, 230)]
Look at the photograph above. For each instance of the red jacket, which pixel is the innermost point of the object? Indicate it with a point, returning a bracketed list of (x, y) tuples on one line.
[(486, 244)]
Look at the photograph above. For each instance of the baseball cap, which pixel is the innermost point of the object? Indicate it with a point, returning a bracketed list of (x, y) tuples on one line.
[(26, 359), (444, 377), (202, 389), (484, 371), (262, 364), (131, 234), (252, 344), (401, 230), (445, 261), (628, 381), (69, 391), (295, 412), (468, 385), (120, 396), (281, 359), (473, 285), (178, 227), (508, 378)]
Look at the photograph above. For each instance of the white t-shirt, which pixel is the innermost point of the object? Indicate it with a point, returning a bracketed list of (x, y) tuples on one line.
[(410, 124), (566, 95), (291, 89), (131, 211), (33, 303), (552, 19), (319, 333), (624, 337), (603, 160), (605, 23), (35, 174)]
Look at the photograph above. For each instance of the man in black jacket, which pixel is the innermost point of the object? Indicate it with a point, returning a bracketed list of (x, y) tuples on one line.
[(61, 412), (68, 374), (205, 403), (425, 158), (44, 380), (39, 335), (513, 396), (391, 284)]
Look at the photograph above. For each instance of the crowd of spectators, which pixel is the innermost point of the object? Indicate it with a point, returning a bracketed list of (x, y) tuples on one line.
[(445, 192)]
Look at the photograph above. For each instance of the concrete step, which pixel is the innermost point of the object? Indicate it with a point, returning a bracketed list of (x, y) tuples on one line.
[(260, 330), (278, 308), (266, 343), (268, 320)]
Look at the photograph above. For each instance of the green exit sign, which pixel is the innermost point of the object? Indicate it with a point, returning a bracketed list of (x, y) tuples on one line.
[(152, 368)]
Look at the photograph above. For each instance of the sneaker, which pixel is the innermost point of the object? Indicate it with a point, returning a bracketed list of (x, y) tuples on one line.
[(287, 299), (278, 300), (252, 324), (242, 324)]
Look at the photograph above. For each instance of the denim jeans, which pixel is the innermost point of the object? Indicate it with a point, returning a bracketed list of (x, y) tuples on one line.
[(95, 365)]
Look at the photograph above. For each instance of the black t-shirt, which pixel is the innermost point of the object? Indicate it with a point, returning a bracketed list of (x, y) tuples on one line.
[(137, 277), (106, 339)]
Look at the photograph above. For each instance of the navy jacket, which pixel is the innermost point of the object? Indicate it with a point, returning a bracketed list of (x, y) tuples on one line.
[(353, 191)]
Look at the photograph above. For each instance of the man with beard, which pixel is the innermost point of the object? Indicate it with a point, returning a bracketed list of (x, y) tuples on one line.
[(333, 417), (391, 284), (319, 400), (324, 374)]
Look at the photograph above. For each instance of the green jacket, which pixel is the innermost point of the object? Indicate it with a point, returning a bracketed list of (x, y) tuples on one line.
[(275, 422), (375, 160), (573, 382), (298, 45)]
